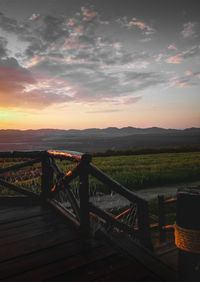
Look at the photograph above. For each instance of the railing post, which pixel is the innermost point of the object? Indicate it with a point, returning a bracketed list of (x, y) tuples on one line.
[(84, 199), (47, 177), (187, 234), (143, 224), (161, 218)]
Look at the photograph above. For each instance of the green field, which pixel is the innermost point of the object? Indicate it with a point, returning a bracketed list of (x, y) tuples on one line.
[(142, 171), (136, 171)]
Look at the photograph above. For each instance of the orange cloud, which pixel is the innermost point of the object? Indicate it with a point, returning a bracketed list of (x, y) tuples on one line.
[(71, 22), (141, 25), (88, 16), (34, 61), (175, 59), (78, 30), (188, 73)]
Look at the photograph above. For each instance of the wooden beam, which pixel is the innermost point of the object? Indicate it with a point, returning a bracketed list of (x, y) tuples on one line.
[(161, 218), (111, 220), (171, 200), (18, 189), (73, 201), (47, 177), (64, 212), (144, 225), (114, 185), (70, 155), (22, 154), (18, 166), (84, 200), (55, 167)]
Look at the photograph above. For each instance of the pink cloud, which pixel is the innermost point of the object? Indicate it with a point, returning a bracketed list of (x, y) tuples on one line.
[(198, 75), (144, 64), (71, 43), (34, 61), (34, 17), (175, 59), (117, 46), (188, 29), (188, 73), (71, 22), (180, 84), (87, 15), (130, 100), (19, 89), (78, 30), (172, 47), (159, 57)]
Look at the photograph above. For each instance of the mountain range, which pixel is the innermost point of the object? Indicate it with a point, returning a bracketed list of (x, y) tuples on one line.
[(95, 139)]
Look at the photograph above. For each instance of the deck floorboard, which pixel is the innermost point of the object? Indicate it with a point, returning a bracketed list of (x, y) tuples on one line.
[(37, 244)]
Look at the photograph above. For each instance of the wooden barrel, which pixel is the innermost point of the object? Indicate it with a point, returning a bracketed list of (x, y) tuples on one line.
[(187, 234)]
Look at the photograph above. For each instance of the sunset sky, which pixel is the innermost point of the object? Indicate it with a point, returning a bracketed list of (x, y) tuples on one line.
[(99, 63)]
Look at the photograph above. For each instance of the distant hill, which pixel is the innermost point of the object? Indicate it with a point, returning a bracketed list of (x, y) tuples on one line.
[(95, 139)]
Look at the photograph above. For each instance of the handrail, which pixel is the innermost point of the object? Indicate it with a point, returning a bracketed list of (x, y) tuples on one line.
[(70, 155), (82, 209), (118, 188)]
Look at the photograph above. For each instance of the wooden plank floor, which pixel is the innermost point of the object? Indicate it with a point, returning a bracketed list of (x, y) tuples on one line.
[(37, 244)]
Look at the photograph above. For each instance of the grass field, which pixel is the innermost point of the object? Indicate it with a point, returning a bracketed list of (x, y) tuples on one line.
[(132, 171), (142, 171)]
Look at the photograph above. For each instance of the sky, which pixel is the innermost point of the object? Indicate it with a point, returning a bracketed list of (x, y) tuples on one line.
[(99, 63)]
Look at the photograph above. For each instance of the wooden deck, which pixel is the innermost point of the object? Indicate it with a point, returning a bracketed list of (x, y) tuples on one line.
[(38, 244)]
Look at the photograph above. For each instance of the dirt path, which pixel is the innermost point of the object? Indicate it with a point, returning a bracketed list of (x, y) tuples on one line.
[(167, 190), (115, 200)]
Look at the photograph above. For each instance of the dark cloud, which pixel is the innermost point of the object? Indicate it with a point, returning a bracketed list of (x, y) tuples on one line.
[(3, 50), (53, 29)]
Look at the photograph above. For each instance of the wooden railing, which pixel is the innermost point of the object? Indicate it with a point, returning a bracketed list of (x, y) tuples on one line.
[(56, 185), (160, 223)]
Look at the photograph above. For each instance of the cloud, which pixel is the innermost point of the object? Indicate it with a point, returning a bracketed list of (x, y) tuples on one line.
[(68, 60), (34, 17), (71, 22), (103, 111), (175, 59), (134, 22), (19, 88), (188, 73), (180, 83), (88, 16), (172, 47), (131, 100), (188, 29), (159, 57), (3, 49), (141, 25), (192, 52)]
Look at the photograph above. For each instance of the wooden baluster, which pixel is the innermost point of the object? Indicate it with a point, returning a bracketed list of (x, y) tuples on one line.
[(84, 199), (47, 177), (143, 223), (161, 218)]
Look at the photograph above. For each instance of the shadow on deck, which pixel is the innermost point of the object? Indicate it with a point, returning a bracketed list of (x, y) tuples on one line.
[(38, 244)]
